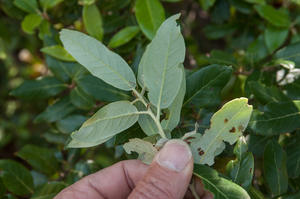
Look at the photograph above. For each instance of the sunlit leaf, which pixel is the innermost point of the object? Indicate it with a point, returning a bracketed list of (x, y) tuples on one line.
[(123, 36), (58, 52), (30, 6), (93, 21), (31, 22)]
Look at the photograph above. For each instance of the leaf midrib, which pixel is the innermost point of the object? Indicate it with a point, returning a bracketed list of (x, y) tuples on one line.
[(204, 155), (101, 61)]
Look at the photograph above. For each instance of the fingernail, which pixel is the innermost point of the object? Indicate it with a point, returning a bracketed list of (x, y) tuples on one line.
[(174, 155)]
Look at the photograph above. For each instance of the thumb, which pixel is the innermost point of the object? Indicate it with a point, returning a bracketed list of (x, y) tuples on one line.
[(169, 173)]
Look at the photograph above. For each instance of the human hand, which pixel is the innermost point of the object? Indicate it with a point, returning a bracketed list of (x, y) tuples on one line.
[(168, 176)]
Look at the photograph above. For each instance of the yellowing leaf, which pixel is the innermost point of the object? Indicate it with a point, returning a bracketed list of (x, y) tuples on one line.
[(226, 125)]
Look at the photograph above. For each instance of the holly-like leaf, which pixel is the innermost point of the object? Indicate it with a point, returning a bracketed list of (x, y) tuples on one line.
[(150, 14), (107, 122), (39, 88), (100, 61), (145, 149), (40, 158), (226, 125), (58, 52), (217, 185), (16, 177), (241, 170), (163, 67), (93, 21), (173, 117), (276, 118), (275, 167), (203, 86)]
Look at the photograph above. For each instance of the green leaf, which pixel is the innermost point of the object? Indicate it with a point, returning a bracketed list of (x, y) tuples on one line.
[(276, 118), (48, 190), (291, 53), (255, 194), (56, 111), (2, 188), (78, 144), (293, 89), (290, 196), (123, 36), (145, 149), (81, 99), (204, 86), (256, 1), (256, 144), (39, 89), (93, 21), (163, 66), (275, 167), (273, 16), (146, 122), (107, 122), (38, 178), (101, 90), (30, 22), (206, 4), (41, 159), (100, 61), (16, 177), (275, 37), (47, 4), (150, 14), (241, 170), (265, 94), (58, 52), (134, 131), (141, 67), (217, 31), (220, 187), (30, 6), (293, 159), (174, 109), (44, 29), (220, 58), (65, 71), (70, 123), (226, 125), (257, 50)]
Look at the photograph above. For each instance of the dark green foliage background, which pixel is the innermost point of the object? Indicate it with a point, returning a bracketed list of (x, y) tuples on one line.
[(258, 38)]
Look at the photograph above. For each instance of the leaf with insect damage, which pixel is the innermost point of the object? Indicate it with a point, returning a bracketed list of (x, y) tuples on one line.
[(226, 125)]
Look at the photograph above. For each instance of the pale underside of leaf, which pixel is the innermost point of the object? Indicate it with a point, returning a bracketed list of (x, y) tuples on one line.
[(144, 148), (162, 64), (226, 125), (77, 144), (108, 121), (98, 59)]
